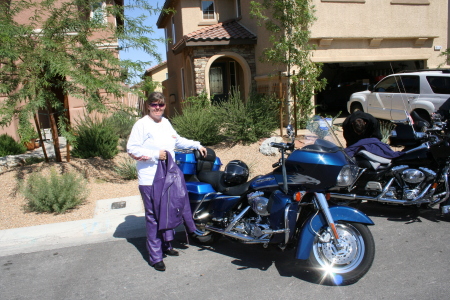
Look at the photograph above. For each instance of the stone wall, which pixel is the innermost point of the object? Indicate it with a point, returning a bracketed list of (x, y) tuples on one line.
[(201, 56)]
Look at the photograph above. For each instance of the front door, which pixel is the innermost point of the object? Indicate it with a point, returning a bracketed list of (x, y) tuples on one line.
[(217, 82)]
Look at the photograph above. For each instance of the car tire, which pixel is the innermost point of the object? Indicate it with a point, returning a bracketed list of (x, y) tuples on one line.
[(355, 107)]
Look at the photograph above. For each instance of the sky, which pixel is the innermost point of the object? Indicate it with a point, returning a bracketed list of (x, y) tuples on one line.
[(135, 55)]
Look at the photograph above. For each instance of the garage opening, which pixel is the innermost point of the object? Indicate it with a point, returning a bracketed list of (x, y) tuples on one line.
[(344, 79)]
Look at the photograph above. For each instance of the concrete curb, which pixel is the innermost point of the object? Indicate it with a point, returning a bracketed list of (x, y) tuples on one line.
[(107, 224)]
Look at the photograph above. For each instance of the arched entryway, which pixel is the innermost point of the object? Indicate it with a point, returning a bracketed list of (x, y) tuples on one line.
[(225, 72)]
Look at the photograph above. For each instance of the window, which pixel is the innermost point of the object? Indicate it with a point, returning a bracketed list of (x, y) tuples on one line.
[(167, 39), (208, 10), (439, 85), (98, 12), (183, 92), (388, 85), (238, 8), (174, 40), (233, 82), (410, 84)]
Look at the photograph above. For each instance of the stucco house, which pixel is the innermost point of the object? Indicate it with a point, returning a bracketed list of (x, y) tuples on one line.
[(76, 106), (158, 74), (215, 45)]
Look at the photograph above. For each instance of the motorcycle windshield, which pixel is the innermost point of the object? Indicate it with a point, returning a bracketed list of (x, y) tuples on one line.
[(321, 137)]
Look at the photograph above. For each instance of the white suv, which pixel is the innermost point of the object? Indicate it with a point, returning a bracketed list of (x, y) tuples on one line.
[(398, 94)]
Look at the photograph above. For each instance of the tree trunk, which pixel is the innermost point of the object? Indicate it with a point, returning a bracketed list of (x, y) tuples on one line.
[(36, 122), (55, 137)]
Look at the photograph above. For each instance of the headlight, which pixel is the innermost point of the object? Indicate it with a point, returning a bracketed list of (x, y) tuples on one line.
[(347, 175)]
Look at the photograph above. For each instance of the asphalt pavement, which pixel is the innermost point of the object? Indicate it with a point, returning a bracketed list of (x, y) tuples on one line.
[(411, 262)]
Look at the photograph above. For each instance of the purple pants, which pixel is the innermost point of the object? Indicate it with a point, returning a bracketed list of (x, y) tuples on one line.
[(157, 240)]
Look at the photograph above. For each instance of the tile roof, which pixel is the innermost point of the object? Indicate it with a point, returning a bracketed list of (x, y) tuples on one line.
[(224, 31), (157, 66), (221, 31)]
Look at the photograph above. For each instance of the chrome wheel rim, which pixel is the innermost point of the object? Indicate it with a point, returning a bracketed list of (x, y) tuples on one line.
[(345, 259)]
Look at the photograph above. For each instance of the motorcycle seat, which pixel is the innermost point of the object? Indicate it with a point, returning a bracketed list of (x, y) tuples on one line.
[(367, 159), (215, 179)]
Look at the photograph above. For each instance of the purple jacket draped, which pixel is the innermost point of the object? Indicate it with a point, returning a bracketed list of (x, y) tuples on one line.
[(374, 146), (170, 197)]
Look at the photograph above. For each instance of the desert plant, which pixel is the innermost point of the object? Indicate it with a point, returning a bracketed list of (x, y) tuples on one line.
[(26, 130), (127, 169), (54, 193), (198, 122), (8, 146), (122, 121), (386, 128), (95, 138), (33, 160), (249, 121)]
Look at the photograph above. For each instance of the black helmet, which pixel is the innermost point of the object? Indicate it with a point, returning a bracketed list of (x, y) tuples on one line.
[(236, 172)]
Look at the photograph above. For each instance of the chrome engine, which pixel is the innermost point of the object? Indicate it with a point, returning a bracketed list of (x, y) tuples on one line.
[(409, 183), (402, 185)]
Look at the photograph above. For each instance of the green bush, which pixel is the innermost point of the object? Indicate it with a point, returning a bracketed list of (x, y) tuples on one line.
[(26, 130), (199, 121), (122, 122), (8, 146), (248, 122), (95, 138), (55, 193), (127, 169), (386, 128)]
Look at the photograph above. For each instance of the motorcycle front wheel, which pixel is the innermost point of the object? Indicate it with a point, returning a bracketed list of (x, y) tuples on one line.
[(348, 263)]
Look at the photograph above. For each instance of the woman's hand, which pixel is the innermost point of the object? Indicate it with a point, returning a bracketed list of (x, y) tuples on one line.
[(162, 155), (140, 158), (203, 151)]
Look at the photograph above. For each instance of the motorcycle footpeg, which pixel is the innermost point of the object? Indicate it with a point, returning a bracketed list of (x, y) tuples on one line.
[(198, 232)]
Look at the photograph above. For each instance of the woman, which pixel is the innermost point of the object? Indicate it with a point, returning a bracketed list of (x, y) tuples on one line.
[(151, 138)]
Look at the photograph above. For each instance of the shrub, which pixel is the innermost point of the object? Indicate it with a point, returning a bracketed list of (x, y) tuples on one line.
[(386, 128), (26, 130), (33, 160), (250, 121), (8, 146), (127, 169), (93, 138), (198, 122), (122, 122), (55, 193)]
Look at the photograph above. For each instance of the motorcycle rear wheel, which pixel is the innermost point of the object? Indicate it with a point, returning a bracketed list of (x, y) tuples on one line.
[(346, 265)]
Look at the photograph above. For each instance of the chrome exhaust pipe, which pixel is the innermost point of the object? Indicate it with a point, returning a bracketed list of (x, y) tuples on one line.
[(243, 237)]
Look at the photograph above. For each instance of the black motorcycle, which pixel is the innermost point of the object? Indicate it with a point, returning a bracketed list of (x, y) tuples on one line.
[(418, 177)]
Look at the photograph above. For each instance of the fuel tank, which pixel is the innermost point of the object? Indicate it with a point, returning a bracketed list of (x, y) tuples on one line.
[(419, 157)]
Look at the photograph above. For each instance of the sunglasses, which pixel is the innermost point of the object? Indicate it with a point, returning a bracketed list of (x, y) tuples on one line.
[(155, 105)]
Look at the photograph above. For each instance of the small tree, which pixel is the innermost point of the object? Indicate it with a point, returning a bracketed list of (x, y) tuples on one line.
[(289, 22), (67, 48)]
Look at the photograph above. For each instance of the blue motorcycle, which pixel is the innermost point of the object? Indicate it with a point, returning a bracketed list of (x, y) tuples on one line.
[(287, 207)]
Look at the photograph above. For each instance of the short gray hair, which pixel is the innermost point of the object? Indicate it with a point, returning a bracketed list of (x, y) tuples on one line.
[(155, 97)]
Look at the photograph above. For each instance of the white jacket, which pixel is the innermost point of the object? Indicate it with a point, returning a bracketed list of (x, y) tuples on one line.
[(147, 138)]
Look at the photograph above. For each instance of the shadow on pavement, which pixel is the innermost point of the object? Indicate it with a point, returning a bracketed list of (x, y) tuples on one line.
[(256, 257), (400, 213)]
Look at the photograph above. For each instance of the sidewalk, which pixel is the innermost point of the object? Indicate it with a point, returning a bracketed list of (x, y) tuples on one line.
[(113, 218)]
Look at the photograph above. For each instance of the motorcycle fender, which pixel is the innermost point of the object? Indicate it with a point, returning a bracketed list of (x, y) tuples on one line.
[(316, 222)]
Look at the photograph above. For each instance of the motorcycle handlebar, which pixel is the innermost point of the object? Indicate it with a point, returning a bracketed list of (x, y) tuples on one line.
[(284, 146)]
